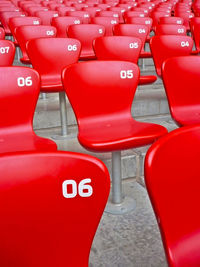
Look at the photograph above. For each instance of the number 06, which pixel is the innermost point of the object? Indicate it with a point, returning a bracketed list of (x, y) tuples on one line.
[(83, 189)]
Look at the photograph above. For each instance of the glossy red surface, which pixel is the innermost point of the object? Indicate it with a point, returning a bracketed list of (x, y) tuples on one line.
[(103, 108), (5, 16), (44, 54), (86, 33), (170, 29), (171, 20), (124, 48), (19, 21), (107, 22), (166, 46), (25, 33), (172, 179), (17, 106), (196, 35), (62, 23), (2, 34), (82, 14), (183, 92), (142, 21), (135, 30), (39, 226), (7, 53), (46, 16)]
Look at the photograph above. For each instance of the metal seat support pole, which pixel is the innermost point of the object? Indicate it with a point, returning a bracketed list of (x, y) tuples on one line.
[(63, 113), (117, 203)]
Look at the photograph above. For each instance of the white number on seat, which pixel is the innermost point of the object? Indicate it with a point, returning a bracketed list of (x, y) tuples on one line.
[(21, 81), (113, 21), (86, 15), (180, 30), (36, 22), (83, 189), (77, 21), (126, 74), (50, 32), (115, 15), (4, 50), (100, 31), (183, 44), (178, 21), (141, 30), (72, 48), (133, 45), (147, 22)]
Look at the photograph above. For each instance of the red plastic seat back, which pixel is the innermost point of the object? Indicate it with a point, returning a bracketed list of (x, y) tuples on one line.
[(33, 9), (111, 83), (19, 93), (172, 179), (2, 34), (107, 22), (7, 53), (51, 205), (196, 35), (62, 10), (171, 20), (21, 21), (25, 33), (118, 48), (44, 54), (108, 13), (86, 33), (62, 23), (181, 80), (6, 15), (46, 16), (166, 46), (84, 15), (142, 21), (170, 29), (135, 30)]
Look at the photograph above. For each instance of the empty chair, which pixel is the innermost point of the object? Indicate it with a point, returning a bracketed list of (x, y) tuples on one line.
[(135, 30), (156, 17), (108, 13), (84, 15), (166, 46), (46, 16), (7, 53), (107, 22), (172, 180), (125, 48), (196, 35), (62, 23), (62, 10), (21, 21), (142, 21), (19, 88), (51, 205), (33, 9), (181, 81), (25, 33), (49, 57), (171, 20), (5, 16), (103, 111), (170, 29), (86, 34)]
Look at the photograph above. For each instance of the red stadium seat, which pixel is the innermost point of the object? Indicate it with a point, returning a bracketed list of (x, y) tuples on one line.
[(5, 16), (21, 21), (108, 13), (44, 55), (85, 16), (33, 9), (86, 33), (156, 17), (62, 10), (46, 16), (123, 48), (166, 46), (7, 53), (25, 33), (172, 179), (111, 85), (135, 30), (171, 20), (51, 205), (62, 23), (170, 29), (196, 35), (107, 22), (19, 88), (181, 80)]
